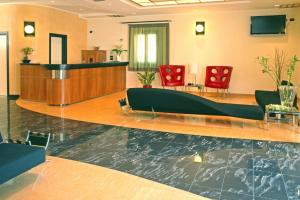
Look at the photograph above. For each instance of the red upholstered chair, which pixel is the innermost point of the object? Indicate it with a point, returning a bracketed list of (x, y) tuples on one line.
[(172, 75), (218, 77)]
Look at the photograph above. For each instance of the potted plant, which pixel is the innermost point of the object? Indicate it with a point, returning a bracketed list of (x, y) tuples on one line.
[(274, 70), (118, 49), (146, 78), (287, 92), (27, 51)]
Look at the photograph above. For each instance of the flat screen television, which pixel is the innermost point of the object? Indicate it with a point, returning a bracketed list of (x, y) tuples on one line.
[(270, 24)]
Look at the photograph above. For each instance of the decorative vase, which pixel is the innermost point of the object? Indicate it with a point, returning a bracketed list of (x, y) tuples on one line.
[(147, 86), (26, 61), (119, 59), (287, 95)]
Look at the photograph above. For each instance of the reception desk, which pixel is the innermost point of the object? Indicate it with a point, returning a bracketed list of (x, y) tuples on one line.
[(71, 83)]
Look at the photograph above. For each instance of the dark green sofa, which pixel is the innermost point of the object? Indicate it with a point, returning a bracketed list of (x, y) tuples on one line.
[(170, 101), (16, 159)]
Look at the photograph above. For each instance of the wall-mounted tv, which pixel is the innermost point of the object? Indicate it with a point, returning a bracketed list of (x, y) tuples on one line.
[(270, 24)]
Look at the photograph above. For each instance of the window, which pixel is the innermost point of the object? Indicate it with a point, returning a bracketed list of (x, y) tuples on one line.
[(148, 46)]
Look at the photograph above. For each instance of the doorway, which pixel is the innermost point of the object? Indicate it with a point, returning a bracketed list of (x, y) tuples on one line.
[(57, 48), (4, 64)]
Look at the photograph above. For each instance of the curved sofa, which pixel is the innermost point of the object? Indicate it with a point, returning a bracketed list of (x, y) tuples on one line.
[(170, 101)]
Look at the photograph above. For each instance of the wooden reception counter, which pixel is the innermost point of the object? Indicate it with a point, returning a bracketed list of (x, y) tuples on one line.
[(71, 83)]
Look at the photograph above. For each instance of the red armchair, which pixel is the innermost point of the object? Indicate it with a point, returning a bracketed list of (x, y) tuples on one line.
[(172, 75), (218, 77)]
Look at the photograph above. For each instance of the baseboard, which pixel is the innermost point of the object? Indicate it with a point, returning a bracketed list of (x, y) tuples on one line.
[(13, 97)]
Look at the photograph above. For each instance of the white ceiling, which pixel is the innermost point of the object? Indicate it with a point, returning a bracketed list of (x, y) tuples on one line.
[(91, 8)]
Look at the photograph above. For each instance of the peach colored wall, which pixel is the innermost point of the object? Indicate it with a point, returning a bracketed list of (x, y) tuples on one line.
[(297, 18), (47, 20), (227, 41)]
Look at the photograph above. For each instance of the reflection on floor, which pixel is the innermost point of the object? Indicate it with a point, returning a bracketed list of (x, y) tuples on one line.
[(228, 168), (106, 111), (51, 181)]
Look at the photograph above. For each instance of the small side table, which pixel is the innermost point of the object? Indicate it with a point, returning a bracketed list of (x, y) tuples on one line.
[(277, 115), (200, 87)]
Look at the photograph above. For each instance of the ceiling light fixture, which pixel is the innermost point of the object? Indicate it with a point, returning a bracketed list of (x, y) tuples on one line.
[(208, 1), (149, 3)]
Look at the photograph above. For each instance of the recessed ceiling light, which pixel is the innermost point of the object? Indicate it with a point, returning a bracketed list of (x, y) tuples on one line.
[(206, 1), (153, 3), (187, 1), (165, 3), (52, 1), (276, 5)]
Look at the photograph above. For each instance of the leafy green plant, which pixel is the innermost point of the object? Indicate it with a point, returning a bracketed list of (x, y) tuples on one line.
[(291, 68), (275, 69), (146, 78), (27, 51), (118, 49)]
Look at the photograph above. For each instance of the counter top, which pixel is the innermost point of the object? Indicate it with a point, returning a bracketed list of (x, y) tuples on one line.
[(30, 64), (83, 65)]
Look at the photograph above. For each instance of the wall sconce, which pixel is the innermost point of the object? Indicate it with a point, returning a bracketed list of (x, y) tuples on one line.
[(200, 28), (29, 29)]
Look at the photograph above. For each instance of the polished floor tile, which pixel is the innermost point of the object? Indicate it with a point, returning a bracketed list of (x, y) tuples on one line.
[(269, 185), (213, 167)]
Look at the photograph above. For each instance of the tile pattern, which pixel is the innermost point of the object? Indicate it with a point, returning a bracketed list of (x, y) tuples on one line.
[(230, 168)]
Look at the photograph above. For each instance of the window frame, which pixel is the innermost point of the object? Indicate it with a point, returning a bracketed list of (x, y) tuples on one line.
[(166, 25)]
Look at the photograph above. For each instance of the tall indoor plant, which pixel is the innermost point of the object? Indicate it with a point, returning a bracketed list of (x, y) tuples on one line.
[(275, 69), (27, 51), (287, 92)]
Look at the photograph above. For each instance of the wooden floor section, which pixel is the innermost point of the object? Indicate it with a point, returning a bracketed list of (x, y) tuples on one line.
[(106, 110), (51, 181)]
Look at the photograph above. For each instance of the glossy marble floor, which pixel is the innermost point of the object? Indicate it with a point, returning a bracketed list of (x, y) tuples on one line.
[(227, 168)]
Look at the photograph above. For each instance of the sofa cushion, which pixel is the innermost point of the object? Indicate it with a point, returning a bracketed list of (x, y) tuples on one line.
[(242, 111), (17, 158)]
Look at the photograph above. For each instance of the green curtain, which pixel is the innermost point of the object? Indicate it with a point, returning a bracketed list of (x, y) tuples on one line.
[(145, 31)]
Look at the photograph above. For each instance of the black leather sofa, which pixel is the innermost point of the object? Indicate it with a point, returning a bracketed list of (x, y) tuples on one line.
[(170, 101), (16, 159)]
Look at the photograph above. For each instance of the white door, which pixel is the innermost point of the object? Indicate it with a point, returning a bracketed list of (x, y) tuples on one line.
[(3, 65), (56, 50)]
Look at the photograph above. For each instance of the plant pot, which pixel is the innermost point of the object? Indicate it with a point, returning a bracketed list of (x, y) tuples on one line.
[(26, 61), (147, 86), (287, 95), (119, 59)]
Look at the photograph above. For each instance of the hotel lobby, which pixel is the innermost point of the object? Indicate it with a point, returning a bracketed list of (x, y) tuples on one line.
[(149, 99)]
